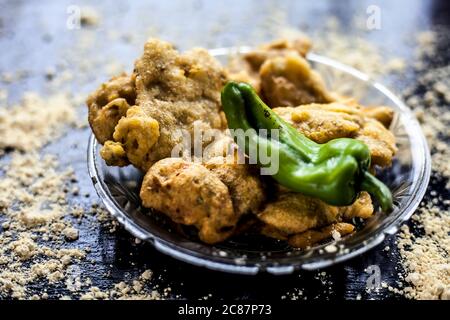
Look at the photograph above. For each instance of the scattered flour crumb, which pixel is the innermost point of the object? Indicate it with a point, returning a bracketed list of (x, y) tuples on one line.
[(70, 233)]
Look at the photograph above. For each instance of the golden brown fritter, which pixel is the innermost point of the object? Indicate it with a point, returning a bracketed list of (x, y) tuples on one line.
[(362, 208), (244, 184), (311, 237), (174, 92), (190, 194), (108, 104), (245, 67), (289, 81), (293, 213), (324, 122), (211, 197)]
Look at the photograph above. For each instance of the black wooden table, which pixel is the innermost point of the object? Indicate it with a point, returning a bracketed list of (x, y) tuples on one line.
[(35, 36)]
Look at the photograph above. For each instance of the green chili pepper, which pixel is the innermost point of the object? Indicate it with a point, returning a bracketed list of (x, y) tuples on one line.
[(334, 172)]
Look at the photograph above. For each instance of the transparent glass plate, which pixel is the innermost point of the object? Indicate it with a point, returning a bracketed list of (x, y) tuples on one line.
[(407, 178)]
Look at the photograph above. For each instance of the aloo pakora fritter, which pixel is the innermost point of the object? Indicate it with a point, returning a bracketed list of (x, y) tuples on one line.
[(325, 122), (142, 117), (210, 196), (167, 93)]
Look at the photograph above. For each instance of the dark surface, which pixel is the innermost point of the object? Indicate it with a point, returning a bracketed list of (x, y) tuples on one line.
[(34, 37)]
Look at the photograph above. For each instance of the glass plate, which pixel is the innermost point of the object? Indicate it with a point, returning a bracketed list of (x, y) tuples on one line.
[(407, 178)]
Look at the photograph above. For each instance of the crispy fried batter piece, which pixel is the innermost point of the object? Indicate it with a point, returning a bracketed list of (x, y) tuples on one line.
[(311, 237), (294, 213), (280, 74), (289, 81), (212, 198), (324, 122), (362, 208), (191, 195), (245, 67), (174, 92), (108, 104), (380, 141), (243, 182)]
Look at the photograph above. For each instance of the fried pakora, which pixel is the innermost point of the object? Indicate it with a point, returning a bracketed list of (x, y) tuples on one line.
[(246, 67), (325, 122), (289, 81), (219, 194), (293, 213), (173, 93), (280, 74)]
